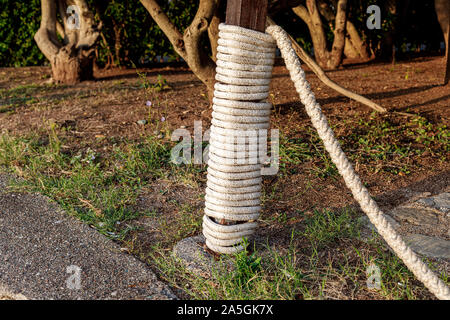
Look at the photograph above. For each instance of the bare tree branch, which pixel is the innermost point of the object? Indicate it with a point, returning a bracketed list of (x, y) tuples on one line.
[(188, 45), (324, 78), (45, 37), (175, 37)]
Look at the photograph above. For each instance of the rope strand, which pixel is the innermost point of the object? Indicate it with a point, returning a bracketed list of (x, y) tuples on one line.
[(359, 191)]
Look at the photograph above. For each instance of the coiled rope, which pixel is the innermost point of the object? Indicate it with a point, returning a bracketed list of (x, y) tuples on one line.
[(230, 184), (240, 109)]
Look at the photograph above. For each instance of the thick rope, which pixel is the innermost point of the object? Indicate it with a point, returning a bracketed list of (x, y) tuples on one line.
[(360, 193), (244, 66)]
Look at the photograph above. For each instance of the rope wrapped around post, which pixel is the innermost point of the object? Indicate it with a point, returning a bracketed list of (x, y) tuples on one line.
[(240, 109), (226, 202)]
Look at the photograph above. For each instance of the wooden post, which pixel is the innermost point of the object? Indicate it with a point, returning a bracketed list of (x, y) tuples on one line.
[(447, 55), (250, 14)]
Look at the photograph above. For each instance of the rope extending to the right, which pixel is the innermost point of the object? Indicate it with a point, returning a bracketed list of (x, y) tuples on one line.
[(360, 193)]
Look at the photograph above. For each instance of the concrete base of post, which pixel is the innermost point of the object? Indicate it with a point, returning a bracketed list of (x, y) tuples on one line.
[(191, 252)]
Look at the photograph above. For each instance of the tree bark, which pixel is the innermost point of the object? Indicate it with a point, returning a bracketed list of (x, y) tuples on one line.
[(355, 39), (339, 35), (354, 46), (72, 60), (442, 8)]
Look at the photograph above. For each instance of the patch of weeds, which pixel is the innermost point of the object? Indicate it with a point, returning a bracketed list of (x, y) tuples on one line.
[(27, 90), (161, 84), (392, 144), (396, 281), (154, 103), (243, 279), (306, 148), (9, 109), (325, 227), (95, 187), (251, 277), (322, 271), (293, 151), (187, 222)]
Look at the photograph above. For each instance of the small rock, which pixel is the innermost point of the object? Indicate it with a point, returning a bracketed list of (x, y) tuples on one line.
[(439, 202), (192, 254), (429, 246), (416, 216)]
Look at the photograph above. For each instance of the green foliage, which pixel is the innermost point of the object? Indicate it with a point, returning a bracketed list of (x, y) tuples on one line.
[(326, 227), (141, 40), (87, 184), (129, 34), (19, 21)]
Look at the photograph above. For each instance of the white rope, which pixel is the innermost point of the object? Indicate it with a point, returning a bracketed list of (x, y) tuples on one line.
[(244, 66), (244, 71), (360, 193)]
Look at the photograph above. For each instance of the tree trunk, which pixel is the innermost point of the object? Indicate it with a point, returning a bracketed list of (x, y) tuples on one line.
[(70, 69), (442, 8), (356, 41), (309, 61), (349, 50), (188, 45), (72, 60), (339, 35), (311, 17), (354, 46), (388, 41)]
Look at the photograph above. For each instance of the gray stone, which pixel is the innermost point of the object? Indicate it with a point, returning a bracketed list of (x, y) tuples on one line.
[(439, 202), (197, 260), (416, 216), (432, 247), (191, 252), (41, 248)]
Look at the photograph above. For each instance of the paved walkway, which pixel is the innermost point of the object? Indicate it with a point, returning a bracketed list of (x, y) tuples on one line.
[(45, 254)]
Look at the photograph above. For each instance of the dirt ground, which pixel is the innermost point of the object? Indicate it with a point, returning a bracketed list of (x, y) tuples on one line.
[(89, 106), (112, 105)]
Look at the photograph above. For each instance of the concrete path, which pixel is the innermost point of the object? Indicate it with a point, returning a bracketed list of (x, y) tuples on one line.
[(45, 254)]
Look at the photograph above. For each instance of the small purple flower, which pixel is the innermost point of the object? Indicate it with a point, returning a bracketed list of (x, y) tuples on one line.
[(163, 119), (148, 103)]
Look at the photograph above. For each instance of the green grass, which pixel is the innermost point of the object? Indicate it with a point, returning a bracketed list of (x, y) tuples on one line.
[(321, 259), (12, 99), (324, 258), (378, 142), (308, 148), (326, 226), (96, 188)]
